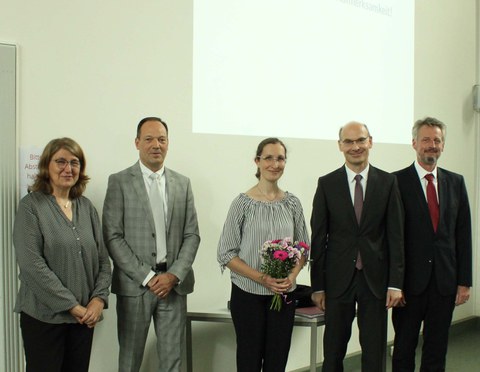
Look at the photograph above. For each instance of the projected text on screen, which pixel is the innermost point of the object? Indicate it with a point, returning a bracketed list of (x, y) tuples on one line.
[(303, 68)]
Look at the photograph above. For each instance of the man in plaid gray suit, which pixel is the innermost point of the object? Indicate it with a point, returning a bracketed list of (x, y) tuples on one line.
[(152, 263)]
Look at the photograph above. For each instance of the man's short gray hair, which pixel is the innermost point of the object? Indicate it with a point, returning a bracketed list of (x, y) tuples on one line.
[(431, 122)]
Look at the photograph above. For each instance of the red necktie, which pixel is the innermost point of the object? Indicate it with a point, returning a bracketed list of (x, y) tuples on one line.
[(358, 206), (432, 201)]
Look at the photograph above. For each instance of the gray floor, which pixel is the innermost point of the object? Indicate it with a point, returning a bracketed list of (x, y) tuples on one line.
[(463, 350)]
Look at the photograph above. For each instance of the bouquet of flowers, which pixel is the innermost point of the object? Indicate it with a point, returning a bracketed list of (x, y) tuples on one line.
[(279, 258)]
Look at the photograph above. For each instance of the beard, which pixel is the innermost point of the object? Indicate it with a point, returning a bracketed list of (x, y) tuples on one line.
[(431, 157), (430, 160)]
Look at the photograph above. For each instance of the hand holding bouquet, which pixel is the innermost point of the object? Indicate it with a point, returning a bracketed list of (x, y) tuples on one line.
[(279, 258)]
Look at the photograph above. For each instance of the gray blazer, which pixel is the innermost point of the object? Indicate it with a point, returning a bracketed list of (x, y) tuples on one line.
[(129, 231)]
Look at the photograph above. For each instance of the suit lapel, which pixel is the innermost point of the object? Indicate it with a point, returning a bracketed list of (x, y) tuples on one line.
[(139, 188), (344, 193), (442, 186), (372, 189), (170, 191), (417, 191)]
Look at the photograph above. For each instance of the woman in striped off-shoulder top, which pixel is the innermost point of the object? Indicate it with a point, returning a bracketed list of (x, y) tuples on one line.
[(264, 212)]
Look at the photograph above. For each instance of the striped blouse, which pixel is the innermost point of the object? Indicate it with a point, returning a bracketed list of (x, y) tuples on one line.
[(249, 224), (62, 263)]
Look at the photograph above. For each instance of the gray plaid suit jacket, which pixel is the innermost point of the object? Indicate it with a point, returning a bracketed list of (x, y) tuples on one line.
[(129, 231)]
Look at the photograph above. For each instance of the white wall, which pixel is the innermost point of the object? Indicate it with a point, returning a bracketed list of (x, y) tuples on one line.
[(92, 69)]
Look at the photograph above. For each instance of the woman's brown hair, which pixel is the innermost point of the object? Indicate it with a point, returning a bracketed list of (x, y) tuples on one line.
[(42, 179)]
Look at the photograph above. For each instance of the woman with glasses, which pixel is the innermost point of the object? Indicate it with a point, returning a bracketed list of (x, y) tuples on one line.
[(264, 212), (64, 267)]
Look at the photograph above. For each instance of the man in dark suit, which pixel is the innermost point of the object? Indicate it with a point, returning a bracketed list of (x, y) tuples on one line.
[(357, 252), (151, 232), (438, 252)]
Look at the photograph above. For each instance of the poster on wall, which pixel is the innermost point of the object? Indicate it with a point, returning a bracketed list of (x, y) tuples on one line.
[(29, 157)]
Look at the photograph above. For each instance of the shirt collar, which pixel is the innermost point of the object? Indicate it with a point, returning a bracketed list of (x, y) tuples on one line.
[(148, 172), (422, 172), (351, 174)]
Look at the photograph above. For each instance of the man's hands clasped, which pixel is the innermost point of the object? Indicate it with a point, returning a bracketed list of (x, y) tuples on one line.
[(162, 284)]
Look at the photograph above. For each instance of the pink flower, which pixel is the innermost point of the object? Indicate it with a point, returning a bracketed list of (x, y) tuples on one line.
[(275, 241), (280, 255), (303, 245)]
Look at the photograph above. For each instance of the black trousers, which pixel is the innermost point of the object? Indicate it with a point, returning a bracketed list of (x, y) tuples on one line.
[(435, 311), (372, 324), (263, 335), (55, 347)]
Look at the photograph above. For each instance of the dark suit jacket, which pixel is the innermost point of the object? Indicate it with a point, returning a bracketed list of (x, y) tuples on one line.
[(337, 237), (448, 252), (129, 230)]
